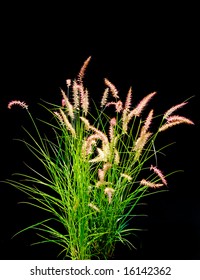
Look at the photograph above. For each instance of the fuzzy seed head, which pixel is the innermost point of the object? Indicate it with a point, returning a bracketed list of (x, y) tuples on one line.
[(129, 178), (150, 184), (22, 104), (127, 105), (142, 104), (174, 108), (104, 97), (112, 88), (83, 69), (159, 173), (94, 207), (109, 192)]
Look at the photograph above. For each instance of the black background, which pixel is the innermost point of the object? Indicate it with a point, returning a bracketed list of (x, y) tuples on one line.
[(150, 49)]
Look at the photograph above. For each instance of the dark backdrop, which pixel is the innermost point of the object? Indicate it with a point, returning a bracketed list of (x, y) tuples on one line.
[(150, 50)]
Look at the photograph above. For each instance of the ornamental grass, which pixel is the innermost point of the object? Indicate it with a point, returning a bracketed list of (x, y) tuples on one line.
[(97, 167)]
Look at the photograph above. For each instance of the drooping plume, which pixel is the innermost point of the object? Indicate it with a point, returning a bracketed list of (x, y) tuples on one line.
[(112, 88), (22, 104), (150, 184), (174, 120), (173, 109), (159, 173)]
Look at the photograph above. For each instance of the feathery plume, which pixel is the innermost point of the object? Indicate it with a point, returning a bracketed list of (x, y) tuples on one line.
[(67, 103), (117, 157), (125, 121), (59, 117), (147, 123), (18, 103), (111, 128), (84, 98), (150, 184), (118, 105), (102, 183), (67, 123), (140, 143), (101, 157), (112, 88), (174, 108), (102, 135), (174, 120), (129, 178), (142, 104), (159, 173), (76, 95), (102, 172), (109, 192), (85, 103), (104, 97), (94, 207), (107, 166), (101, 175), (128, 100), (83, 69), (86, 122), (88, 144)]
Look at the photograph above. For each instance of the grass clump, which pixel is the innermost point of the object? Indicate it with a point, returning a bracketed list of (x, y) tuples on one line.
[(94, 166)]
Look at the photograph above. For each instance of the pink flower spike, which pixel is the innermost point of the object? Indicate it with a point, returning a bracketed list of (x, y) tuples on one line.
[(112, 88), (176, 118), (142, 104), (19, 103), (174, 108), (159, 173)]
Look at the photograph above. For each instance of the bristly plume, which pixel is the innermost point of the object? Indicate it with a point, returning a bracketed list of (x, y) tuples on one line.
[(88, 144), (147, 123), (117, 157), (102, 172), (118, 105), (112, 88), (104, 97), (113, 122), (67, 104), (101, 175), (22, 104), (94, 207), (102, 156), (101, 135), (142, 104), (140, 143), (174, 120), (59, 117), (150, 184), (174, 108), (76, 97), (84, 98), (129, 178), (83, 69), (127, 105), (109, 192), (136, 112), (86, 122), (67, 123), (159, 173)]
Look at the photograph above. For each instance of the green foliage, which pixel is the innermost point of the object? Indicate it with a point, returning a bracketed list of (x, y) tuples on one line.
[(93, 167)]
